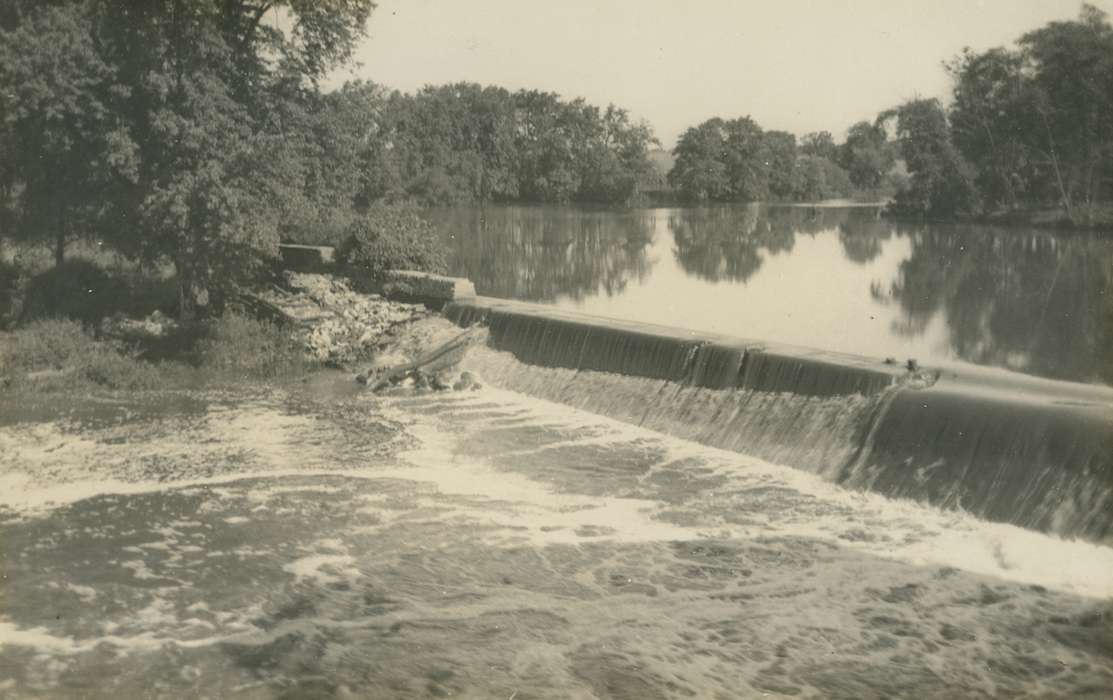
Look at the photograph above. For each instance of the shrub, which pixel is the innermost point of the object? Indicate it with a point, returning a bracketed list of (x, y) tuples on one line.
[(244, 347), (392, 238), (42, 345), (59, 354)]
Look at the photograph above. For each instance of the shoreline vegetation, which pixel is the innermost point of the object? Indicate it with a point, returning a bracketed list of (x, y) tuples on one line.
[(154, 155)]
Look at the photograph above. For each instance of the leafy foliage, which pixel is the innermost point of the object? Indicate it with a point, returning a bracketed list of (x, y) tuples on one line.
[(389, 238), (735, 160), (174, 129), (463, 143), (1028, 126), (243, 347), (942, 184), (61, 147), (866, 155)]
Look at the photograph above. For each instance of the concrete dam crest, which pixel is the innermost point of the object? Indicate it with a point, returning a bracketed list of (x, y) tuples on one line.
[(1004, 447)]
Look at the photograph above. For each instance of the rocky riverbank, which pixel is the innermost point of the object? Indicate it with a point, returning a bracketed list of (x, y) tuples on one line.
[(337, 325)]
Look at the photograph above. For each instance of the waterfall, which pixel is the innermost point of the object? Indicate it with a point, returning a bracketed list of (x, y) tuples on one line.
[(1040, 458)]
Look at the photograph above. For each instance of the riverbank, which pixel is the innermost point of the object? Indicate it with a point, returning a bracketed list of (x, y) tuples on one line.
[(280, 333), (1054, 219)]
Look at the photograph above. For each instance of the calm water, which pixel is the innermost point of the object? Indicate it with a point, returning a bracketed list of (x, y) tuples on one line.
[(833, 278)]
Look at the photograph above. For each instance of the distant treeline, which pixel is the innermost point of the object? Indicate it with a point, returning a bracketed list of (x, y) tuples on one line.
[(1029, 127), (735, 160), (464, 143)]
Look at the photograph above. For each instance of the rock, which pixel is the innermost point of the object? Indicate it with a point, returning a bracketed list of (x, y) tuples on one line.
[(156, 325), (339, 325), (440, 382), (466, 381), (307, 257)]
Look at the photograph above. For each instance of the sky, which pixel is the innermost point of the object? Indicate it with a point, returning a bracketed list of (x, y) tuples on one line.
[(793, 65)]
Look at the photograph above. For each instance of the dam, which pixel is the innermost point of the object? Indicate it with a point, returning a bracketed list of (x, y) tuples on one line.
[(621, 510), (1003, 447)]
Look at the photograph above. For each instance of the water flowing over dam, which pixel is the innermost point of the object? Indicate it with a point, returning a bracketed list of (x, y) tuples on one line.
[(1003, 447)]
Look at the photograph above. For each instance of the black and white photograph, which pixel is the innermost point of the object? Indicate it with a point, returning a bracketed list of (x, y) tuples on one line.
[(534, 350)]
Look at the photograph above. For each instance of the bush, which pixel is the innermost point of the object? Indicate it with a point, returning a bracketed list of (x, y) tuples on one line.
[(59, 354), (392, 238), (244, 347), (43, 345)]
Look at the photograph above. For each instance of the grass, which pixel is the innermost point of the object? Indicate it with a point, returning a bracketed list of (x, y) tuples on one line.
[(51, 344), (242, 347), (62, 355)]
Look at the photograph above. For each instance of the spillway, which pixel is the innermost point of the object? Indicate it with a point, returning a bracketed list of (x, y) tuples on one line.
[(1001, 446)]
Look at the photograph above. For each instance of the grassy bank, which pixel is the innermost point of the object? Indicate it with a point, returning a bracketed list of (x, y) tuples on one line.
[(1101, 220), (53, 337), (62, 355)]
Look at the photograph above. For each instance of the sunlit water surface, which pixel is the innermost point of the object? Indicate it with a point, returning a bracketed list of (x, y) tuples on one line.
[(317, 542), (834, 278)]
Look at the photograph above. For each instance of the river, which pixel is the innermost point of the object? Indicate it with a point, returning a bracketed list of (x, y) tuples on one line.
[(313, 541), (831, 277)]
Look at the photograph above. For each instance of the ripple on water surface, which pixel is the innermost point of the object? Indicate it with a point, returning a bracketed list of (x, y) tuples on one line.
[(487, 545)]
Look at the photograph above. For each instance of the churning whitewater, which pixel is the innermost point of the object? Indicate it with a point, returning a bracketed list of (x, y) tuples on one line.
[(318, 541)]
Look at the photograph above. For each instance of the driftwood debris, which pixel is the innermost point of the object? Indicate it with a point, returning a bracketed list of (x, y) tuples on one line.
[(442, 357)]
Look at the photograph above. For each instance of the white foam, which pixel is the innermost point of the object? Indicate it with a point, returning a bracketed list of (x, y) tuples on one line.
[(905, 531), (323, 568)]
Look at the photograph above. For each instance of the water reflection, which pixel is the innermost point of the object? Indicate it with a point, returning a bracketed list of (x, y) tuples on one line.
[(730, 243), (1031, 301), (861, 239), (541, 253), (829, 277)]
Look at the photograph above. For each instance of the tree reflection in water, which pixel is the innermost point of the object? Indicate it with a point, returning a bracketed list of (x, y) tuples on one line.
[(542, 253), (729, 243), (1032, 301)]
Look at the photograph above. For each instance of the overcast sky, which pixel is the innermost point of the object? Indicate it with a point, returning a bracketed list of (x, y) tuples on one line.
[(796, 65)]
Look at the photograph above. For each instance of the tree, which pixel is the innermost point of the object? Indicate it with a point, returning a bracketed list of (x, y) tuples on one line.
[(942, 182), (866, 155), (819, 143), (213, 95), (990, 116), (617, 159), (1071, 69), (63, 147), (779, 158), (817, 178), (699, 172), (745, 157)]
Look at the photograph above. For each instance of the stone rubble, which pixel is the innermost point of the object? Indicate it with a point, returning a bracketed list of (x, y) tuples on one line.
[(339, 326), (156, 325)]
